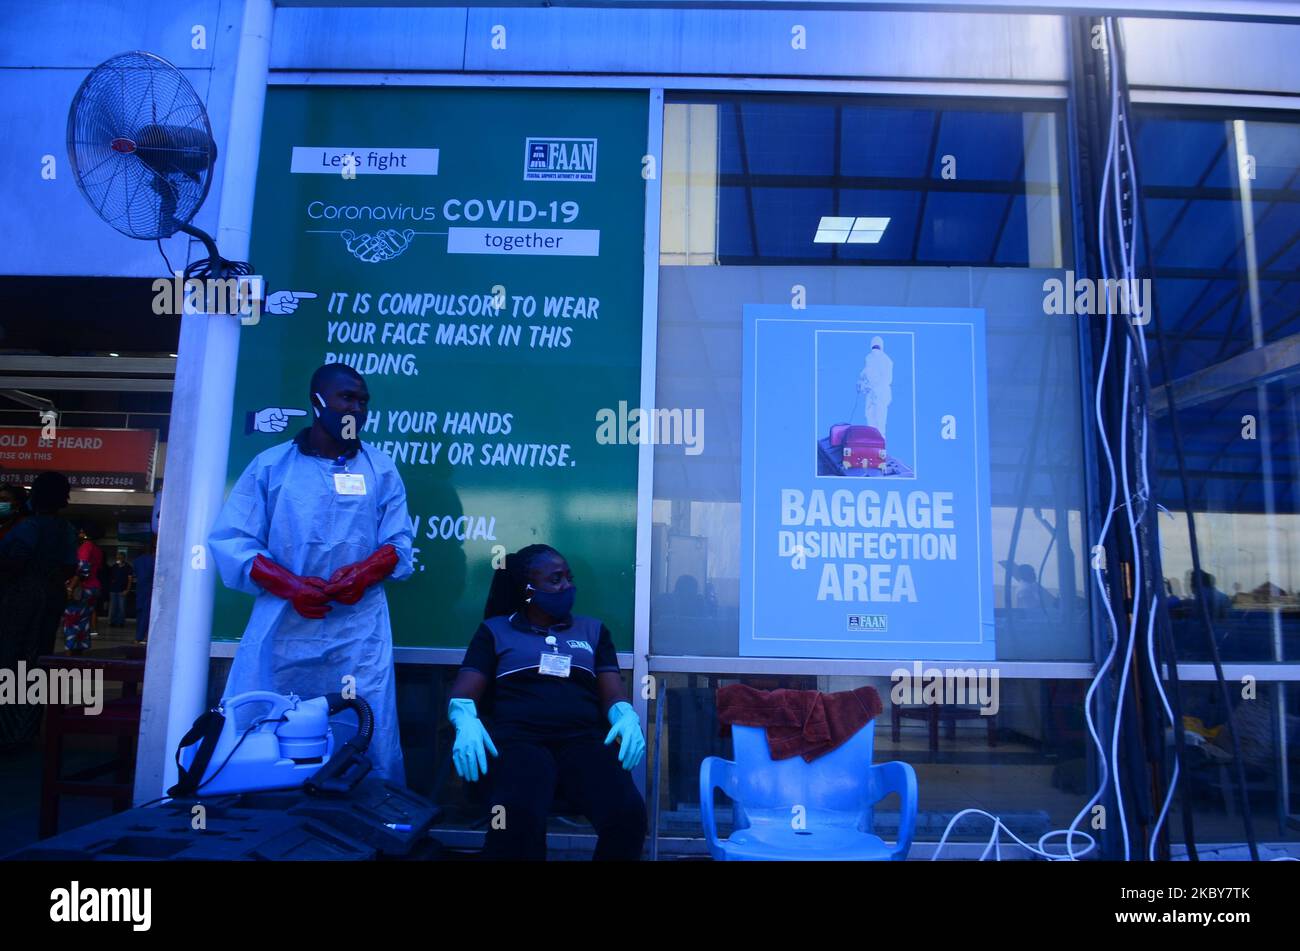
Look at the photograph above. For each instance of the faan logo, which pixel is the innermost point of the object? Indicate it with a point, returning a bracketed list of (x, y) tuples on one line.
[(559, 160), (868, 623)]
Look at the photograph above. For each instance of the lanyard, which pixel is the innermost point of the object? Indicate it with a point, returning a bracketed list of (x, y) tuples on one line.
[(341, 465)]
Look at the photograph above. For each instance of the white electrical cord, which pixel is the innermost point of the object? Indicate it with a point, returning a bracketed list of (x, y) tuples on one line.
[(1169, 796), (995, 845), (1144, 489), (1143, 494), (1112, 161)]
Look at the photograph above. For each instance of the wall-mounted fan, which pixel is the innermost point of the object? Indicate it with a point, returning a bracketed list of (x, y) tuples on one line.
[(142, 152)]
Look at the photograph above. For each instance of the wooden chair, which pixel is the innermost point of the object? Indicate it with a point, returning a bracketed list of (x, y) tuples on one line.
[(119, 718), (933, 714)]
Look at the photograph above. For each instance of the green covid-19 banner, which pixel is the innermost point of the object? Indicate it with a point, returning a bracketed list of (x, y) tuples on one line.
[(477, 255)]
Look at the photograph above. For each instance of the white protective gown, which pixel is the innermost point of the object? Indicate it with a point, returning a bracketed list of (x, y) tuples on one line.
[(876, 382), (285, 507)]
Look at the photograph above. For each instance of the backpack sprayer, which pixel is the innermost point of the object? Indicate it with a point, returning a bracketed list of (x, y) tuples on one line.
[(288, 746)]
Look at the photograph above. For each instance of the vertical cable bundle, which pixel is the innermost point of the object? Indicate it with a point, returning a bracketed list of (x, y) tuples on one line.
[(1132, 581)]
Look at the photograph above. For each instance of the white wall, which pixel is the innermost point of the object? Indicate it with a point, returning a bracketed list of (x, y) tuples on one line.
[(46, 49)]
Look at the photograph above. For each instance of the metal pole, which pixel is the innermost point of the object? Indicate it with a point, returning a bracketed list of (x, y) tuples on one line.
[(180, 630), (1265, 435), (661, 700), (645, 452)]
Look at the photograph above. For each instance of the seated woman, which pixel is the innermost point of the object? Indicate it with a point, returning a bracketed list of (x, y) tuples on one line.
[(555, 683)]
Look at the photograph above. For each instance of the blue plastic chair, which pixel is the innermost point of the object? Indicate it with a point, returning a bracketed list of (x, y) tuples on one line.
[(837, 793)]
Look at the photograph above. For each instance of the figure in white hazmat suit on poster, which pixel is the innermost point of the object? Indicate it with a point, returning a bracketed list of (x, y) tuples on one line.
[(875, 383), (313, 528)]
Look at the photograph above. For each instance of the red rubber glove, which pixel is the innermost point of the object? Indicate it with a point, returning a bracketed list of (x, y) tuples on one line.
[(307, 595), (350, 582)]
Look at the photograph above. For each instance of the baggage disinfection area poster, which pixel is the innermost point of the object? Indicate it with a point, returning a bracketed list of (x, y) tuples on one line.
[(865, 484), (478, 255)]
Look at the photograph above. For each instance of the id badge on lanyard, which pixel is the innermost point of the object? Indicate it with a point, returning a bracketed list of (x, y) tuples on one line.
[(553, 663), (349, 483)]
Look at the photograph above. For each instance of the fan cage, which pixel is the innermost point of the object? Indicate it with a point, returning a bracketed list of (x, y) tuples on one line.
[(140, 145)]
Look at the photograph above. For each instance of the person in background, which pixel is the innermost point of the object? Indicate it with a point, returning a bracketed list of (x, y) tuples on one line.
[(83, 593), (556, 692), (15, 603), (119, 584), (1172, 600), (37, 556), (1219, 603), (13, 507), (143, 568), (50, 494), (1030, 595)]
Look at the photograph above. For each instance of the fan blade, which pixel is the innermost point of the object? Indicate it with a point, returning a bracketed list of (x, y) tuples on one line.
[(167, 149)]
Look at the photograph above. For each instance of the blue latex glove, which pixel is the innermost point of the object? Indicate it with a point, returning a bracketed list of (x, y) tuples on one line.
[(626, 728), (469, 754)]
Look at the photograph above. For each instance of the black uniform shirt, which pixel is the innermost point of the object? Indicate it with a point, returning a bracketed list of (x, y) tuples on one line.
[(527, 704)]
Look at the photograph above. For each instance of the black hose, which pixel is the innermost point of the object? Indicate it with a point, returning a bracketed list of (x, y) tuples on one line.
[(214, 265), (365, 717)]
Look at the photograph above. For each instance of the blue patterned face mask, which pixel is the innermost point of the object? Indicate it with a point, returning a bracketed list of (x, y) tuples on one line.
[(558, 604)]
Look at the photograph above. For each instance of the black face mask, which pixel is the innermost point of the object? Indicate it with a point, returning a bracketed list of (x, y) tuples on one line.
[(332, 421), (558, 604)]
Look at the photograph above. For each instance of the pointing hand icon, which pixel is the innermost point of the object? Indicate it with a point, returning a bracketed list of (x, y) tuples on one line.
[(274, 419), (280, 303)]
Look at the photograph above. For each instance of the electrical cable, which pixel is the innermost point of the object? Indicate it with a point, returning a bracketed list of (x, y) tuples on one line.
[(1110, 771), (1172, 709), (1112, 776), (1173, 782), (165, 261), (1200, 598), (1142, 469), (1112, 159), (995, 845), (205, 268)]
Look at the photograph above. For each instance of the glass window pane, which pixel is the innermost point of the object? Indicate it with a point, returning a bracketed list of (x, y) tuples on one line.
[(1025, 761), (931, 186), (1221, 228), (953, 181)]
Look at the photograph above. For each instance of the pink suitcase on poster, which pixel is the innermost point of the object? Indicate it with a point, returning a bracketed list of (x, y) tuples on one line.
[(862, 446)]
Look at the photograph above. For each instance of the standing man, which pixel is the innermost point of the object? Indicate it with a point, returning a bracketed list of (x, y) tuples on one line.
[(876, 382), (37, 556), (50, 494), (143, 568), (311, 528), (119, 583)]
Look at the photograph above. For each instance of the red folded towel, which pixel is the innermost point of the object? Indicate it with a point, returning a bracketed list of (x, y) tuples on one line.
[(804, 723)]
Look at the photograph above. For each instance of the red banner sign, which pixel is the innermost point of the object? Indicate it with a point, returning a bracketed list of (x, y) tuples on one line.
[(90, 458)]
